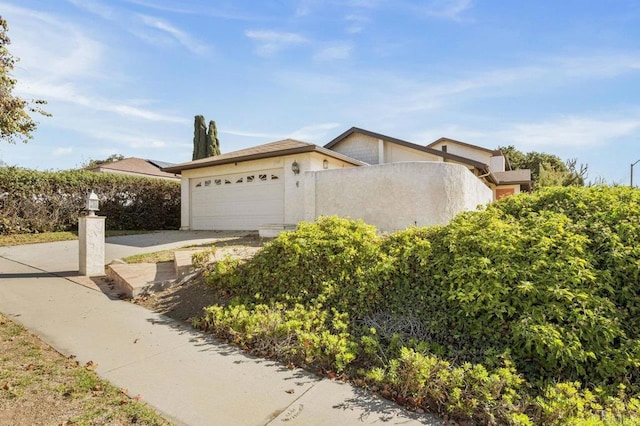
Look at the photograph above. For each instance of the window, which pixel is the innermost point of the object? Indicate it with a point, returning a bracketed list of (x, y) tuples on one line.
[(444, 148)]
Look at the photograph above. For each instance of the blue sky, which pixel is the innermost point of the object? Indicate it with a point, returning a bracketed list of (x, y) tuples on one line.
[(128, 76)]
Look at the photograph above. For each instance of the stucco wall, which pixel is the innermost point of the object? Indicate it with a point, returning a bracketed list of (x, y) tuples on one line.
[(397, 195)]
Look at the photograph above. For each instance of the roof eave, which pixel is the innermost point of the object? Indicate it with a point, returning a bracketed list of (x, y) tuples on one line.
[(178, 168)]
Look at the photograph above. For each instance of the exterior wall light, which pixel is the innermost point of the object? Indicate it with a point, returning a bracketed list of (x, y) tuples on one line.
[(295, 167), (325, 164), (92, 204)]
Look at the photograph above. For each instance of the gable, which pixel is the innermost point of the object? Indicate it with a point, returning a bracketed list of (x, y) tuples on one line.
[(465, 150), (379, 150)]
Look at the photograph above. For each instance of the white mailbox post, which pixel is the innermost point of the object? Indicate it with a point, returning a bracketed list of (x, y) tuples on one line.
[(91, 236)]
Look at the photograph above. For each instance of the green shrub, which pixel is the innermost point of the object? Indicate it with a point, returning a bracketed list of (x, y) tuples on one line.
[(335, 262), (541, 287), (462, 392), (306, 336), (33, 201)]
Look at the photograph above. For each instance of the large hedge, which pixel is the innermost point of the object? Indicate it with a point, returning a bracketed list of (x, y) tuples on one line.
[(548, 283), (35, 201)]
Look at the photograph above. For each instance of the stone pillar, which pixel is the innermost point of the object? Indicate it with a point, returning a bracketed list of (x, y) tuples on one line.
[(91, 236)]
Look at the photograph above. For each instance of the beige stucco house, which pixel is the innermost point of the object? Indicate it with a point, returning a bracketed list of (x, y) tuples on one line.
[(385, 181)]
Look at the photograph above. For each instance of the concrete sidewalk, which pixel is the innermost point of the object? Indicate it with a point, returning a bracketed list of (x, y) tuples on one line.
[(189, 377)]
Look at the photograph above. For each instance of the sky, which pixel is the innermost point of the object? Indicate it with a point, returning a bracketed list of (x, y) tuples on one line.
[(128, 76)]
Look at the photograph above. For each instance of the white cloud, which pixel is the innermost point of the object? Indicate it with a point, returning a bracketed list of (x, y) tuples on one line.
[(313, 132), (62, 151), (51, 46), (335, 52), (271, 42), (96, 8), (447, 9), (250, 134), (67, 92), (178, 35), (550, 134), (575, 131), (356, 23)]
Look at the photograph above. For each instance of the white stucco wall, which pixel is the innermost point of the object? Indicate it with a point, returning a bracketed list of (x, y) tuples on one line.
[(395, 196), (294, 185)]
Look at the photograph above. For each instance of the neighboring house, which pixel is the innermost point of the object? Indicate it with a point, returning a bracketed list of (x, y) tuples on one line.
[(137, 167), (385, 181), (489, 165)]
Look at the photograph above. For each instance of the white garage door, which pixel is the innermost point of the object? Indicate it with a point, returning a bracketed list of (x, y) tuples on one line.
[(237, 201)]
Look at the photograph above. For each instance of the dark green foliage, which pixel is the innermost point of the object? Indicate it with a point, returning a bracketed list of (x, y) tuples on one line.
[(199, 138), (33, 201), (213, 144), (546, 169), (205, 143)]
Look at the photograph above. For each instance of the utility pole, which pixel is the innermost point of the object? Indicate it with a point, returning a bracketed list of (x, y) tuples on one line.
[(633, 164)]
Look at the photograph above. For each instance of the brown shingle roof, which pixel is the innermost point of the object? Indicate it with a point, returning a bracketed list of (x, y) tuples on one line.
[(133, 166), (268, 150)]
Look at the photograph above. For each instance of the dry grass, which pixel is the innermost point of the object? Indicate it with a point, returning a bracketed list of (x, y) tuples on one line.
[(40, 386), (227, 244)]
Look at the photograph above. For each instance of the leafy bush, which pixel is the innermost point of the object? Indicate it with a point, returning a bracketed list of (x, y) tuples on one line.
[(33, 201), (466, 391), (334, 262), (541, 287), (306, 336)]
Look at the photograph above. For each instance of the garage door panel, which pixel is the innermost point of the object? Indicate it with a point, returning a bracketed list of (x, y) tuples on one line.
[(239, 205)]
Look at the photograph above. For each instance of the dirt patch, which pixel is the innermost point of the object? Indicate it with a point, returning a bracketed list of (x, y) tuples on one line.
[(182, 303), (187, 301)]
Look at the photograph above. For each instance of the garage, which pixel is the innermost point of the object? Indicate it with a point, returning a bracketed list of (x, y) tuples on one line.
[(239, 201)]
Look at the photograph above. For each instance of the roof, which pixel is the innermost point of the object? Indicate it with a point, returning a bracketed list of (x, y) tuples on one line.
[(269, 150), (160, 164), (134, 166), (520, 176), (448, 156), (481, 148)]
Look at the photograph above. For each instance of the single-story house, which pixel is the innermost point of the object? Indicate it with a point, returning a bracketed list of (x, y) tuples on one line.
[(137, 167), (385, 181)]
